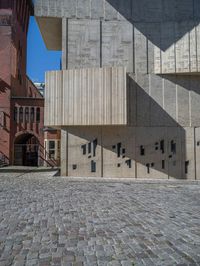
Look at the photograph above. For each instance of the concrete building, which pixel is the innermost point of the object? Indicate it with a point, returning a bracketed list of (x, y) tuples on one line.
[(128, 96)]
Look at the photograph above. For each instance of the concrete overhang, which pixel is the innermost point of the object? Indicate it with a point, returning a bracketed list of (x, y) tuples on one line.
[(51, 30)]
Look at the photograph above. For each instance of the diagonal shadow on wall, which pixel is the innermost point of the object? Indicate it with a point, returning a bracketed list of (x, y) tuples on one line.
[(152, 17), (152, 145)]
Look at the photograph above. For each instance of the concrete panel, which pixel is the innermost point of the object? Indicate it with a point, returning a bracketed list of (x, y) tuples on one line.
[(195, 101), (182, 47), (118, 152), (147, 11), (53, 98), (149, 163), (120, 53), (95, 96), (183, 102), (175, 158), (64, 153), (168, 55), (198, 46), (152, 32), (196, 9), (97, 9), (169, 10), (64, 43), (125, 9), (111, 9), (68, 8), (157, 116), (83, 9), (131, 100), (184, 10), (141, 48), (193, 49), (143, 100), (84, 152), (189, 154), (170, 101), (197, 152), (83, 43)]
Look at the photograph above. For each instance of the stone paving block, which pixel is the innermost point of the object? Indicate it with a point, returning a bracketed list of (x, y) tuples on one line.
[(98, 223)]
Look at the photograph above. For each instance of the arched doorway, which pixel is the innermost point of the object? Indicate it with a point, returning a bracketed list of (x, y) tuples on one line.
[(26, 150)]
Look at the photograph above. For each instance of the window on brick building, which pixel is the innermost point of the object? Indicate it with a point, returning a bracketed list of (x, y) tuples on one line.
[(38, 115), (21, 114), (27, 114), (52, 149), (32, 115), (15, 114), (2, 120)]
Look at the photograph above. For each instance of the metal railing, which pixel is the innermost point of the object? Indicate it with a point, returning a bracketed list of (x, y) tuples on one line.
[(4, 161)]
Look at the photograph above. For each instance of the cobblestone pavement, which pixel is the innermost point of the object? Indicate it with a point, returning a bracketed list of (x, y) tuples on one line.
[(46, 220)]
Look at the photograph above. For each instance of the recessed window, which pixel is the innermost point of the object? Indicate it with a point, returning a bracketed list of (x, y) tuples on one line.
[(52, 150), (119, 145), (2, 120), (173, 147), (142, 150), (32, 115), (162, 146), (15, 114), (51, 145), (21, 114), (74, 166), (93, 166), (95, 142), (27, 114), (128, 162), (89, 147), (83, 147), (38, 115), (186, 167), (163, 164)]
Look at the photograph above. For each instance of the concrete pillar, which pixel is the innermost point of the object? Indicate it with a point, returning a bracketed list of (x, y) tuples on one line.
[(64, 152)]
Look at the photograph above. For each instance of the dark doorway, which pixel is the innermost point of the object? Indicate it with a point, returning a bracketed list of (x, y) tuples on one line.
[(26, 150)]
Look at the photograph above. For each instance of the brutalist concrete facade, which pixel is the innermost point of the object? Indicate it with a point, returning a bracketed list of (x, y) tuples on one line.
[(158, 43)]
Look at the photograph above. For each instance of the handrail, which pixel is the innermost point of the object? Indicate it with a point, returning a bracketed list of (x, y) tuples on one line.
[(4, 161), (43, 151)]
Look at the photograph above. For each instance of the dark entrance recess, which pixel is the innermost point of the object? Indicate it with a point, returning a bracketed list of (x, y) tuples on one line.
[(26, 150)]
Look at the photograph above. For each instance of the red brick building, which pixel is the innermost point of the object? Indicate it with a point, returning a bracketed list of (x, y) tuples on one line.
[(21, 104)]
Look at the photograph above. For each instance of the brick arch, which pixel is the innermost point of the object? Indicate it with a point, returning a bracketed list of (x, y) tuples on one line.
[(26, 149)]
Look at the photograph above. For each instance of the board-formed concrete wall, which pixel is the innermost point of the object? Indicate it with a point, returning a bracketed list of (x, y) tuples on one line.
[(163, 100), (134, 10), (87, 97), (157, 36), (133, 152), (158, 42)]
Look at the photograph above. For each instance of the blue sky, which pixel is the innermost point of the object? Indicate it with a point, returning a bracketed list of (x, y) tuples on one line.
[(39, 59)]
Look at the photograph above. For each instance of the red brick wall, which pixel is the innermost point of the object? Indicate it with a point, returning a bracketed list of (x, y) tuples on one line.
[(5, 81), (15, 89)]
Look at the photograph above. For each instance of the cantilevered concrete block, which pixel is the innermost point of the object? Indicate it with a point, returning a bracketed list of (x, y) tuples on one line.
[(77, 97)]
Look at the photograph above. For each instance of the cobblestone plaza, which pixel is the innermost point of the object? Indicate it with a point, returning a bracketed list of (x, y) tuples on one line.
[(49, 220)]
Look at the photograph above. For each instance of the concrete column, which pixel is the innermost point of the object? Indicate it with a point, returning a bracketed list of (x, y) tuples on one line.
[(64, 43), (64, 152)]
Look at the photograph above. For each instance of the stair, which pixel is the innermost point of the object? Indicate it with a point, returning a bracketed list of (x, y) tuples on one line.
[(3, 160), (44, 154)]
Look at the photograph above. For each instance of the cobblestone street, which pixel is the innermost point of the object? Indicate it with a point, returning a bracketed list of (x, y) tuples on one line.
[(46, 220)]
